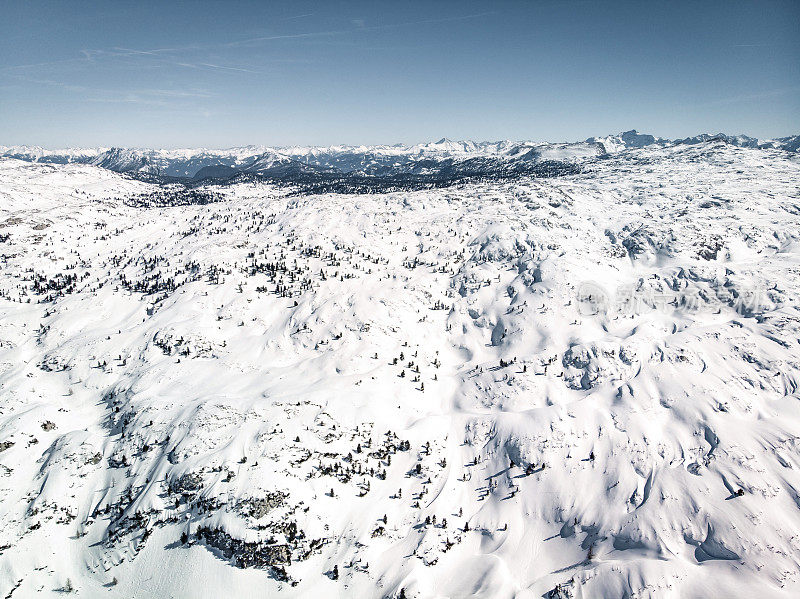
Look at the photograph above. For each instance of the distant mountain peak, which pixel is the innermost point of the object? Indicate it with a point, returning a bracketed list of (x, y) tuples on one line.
[(375, 160)]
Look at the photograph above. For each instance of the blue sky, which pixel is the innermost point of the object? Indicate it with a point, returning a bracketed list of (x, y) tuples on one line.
[(217, 74)]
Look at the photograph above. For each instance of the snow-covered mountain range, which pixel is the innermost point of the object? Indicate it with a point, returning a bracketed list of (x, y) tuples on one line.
[(385, 160), (585, 384)]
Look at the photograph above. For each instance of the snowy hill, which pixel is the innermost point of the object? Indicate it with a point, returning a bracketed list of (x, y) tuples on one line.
[(121, 160), (626, 140), (584, 385), (39, 154)]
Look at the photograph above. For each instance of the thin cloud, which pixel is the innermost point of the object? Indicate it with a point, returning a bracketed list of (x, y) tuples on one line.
[(33, 65), (176, 93), (152, 96), (161, 54), (304, 16), (358, 29), (293, 36), (157, 56), (129, 99), (772, 93), (209, 65)]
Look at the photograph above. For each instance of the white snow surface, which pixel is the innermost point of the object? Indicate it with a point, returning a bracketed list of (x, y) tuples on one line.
[(232, 371)]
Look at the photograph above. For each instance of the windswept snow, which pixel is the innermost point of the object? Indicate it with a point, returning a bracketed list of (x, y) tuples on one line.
[(580, 386)]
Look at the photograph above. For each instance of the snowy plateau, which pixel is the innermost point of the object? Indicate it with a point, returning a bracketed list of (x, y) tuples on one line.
[(511, 371)]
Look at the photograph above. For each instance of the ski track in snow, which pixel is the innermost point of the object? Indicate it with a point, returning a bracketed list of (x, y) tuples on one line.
[(639, 439)]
